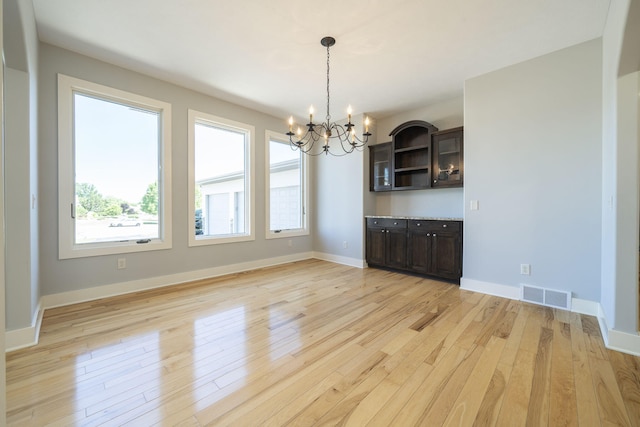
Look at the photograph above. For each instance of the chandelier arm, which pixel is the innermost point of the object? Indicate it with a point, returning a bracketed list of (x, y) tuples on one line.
[(344, 135)]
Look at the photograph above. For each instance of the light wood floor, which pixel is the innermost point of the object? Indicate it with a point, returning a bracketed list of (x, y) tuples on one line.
[(316, 343)]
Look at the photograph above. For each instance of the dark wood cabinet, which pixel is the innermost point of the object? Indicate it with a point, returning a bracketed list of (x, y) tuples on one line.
[(430, 247), (387, 242), (418, 157), (435, 248), (448, 158), (380, 167)]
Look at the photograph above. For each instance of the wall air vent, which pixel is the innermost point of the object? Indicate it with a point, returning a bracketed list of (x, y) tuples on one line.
[(548, 297)]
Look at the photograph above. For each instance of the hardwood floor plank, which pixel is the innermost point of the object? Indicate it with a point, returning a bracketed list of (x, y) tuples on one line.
[(430, 388), (593, 338), (385, 413), (563, 407), (493, 398), (538, 413), (627, 371), (436, 412), (515, 406), (587, 405), (316, 343), (466, 406), (610, 403)]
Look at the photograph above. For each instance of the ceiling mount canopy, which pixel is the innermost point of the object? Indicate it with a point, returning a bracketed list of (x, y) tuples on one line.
[(337, 139)]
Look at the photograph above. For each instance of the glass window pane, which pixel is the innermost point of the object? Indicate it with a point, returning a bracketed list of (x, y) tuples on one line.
[(116, 171), (220, 180), (285, 182)]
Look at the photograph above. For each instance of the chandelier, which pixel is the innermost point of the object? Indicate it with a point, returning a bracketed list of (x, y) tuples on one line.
[(332, 136)]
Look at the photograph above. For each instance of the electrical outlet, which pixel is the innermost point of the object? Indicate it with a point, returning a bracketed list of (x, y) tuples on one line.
[(122, 263), (525, 269)]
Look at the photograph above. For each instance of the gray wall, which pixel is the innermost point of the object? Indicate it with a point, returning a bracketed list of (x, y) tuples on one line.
[(533, 161), (620, 164), (17, 194), (73, 274), (445, 202), (339, 202), (21, 154), (3, 376)]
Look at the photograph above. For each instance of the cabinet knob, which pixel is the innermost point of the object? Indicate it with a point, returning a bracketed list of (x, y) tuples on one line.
[(387, 231), (434, 234), (375, 222), (383, 231), (428, 234), (444, 225), (418, 225), (435, 180), (395, 223)]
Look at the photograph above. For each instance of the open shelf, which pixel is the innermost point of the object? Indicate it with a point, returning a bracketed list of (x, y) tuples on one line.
[(411, 179), (411, 169), (415, 148)]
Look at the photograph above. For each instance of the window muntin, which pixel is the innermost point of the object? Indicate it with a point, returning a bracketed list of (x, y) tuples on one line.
[(221, 180), (286, 188), (113, 166)]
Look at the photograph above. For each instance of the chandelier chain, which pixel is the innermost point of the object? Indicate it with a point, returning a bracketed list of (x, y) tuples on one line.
[(328, 95)]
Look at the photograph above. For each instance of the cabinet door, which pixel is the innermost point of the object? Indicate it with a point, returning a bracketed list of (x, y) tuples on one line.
[(396, 242), (376, 238), (445, 259), (419, 259), (380, 167), (447, 159)]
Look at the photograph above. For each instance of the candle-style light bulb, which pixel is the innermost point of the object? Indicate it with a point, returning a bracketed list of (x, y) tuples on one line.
[(290, 123), (299, 131), (366, 125), (326, 139), (349, 111), (311, 114)]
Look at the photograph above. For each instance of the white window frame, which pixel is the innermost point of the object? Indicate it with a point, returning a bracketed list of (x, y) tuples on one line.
[(67, 247), (304, 231), (249, 131)]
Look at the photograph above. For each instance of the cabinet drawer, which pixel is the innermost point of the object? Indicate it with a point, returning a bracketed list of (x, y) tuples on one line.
[(386, 223), (431, 225)]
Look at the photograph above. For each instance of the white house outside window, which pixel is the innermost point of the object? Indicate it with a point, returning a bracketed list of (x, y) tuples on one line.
[(286, 187), (114, 170), (221, 180)]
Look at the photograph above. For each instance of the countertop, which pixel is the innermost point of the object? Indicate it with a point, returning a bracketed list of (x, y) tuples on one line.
[(421, 218)]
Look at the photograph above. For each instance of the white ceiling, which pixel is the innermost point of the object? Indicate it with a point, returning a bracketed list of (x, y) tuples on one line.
[(390, 55)]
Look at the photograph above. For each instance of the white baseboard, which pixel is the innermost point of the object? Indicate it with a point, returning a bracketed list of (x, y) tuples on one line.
[(489, 288), (615, 340), (583, 306), (25, 337), (338, 259), (623, 341)]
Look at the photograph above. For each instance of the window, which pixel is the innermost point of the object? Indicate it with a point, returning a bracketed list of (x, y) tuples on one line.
[(114, 170), (286, 188), (220, 180)]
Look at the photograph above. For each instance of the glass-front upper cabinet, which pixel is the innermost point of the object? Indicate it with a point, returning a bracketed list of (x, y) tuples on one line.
[(447, 158), (380, 167)]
